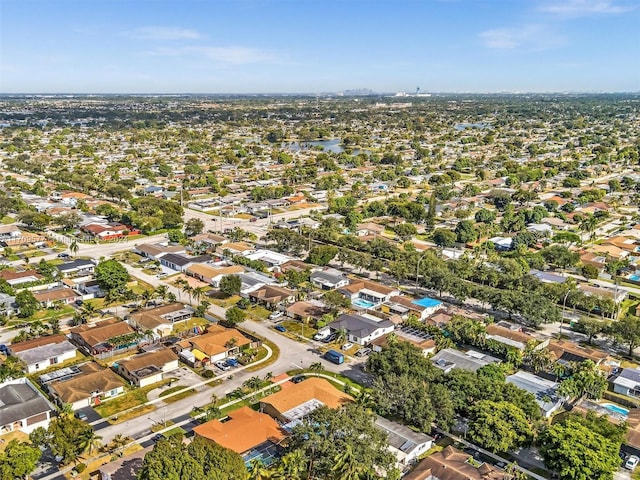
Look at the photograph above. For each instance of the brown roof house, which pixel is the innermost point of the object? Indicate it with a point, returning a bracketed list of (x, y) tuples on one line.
[(49, 298), (567, 352), (147, 368), (452, 464), (367, 294), (104, 336), (272, 296), (160, 320), (212, 275), (218, 343), (297, 400), (511, 335), (244, 431), (87, 385)]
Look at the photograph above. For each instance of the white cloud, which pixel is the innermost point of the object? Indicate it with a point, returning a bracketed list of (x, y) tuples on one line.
[(230, 55), (164, 33), (579, 8), (531, 37)]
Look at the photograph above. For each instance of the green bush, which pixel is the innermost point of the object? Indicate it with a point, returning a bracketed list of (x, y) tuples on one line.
[(208, 374)]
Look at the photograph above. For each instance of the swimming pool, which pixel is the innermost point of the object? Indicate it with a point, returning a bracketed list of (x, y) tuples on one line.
[(634, 277), (359, 302), (427, 302), (615, 409)]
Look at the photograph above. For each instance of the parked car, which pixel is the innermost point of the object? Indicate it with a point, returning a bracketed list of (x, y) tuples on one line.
[(280, 328), (156, 438), (362, 352), (232, 362), (4, 350), (298, 378), (321, 336), (334, 357), (82, 416), (347, 346), (276, 315), (632, 462), (63, 255), (79, 302), (330, 338), (222, 365)]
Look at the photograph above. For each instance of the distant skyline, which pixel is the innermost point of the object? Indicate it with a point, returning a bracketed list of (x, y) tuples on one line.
[(313, 46)]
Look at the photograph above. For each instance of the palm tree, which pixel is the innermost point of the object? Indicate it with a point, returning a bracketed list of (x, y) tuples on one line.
[(293, 466), (341, 335), (259, 471), (162, 292), (146, 296), (316, 367), (198, 293), (253, 383), (90, 441), (589, 224), (74, 247), (346, 466), (118, 443)]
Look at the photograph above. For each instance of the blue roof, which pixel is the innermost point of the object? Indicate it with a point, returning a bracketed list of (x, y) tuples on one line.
[(427, 302)]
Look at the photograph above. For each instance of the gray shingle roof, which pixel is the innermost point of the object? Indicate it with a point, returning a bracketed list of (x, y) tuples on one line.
[(19, 400)]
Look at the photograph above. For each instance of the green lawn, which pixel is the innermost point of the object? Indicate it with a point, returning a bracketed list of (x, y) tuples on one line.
[(138, 286), (130, 399), (47, 314), (258, 312), (179, 396), (299, 328), (189, 324)]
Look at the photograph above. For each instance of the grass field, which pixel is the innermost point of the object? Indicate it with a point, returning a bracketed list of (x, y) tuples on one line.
[(177, 397), (128, 400)]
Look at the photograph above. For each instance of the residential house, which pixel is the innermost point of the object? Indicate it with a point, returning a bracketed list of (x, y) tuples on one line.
[(362, 329), (272, 260), (212, 275), (236, 248), (548, 277), (250, 281), (545, 391), (418, 338), (627, 382), (16, 279), (7, 304), (54, 296), (297, 400), (148, 368), (452, 464), (155, 251), (104, 336), (272, 296), (405, 306), (366, 229), (22, 407), (76, 268), (210, 241), (178, 262), (566, 352), (511, 335), (109, 231), (244, 431), (307, 311), (448, 359), (42, 352), (616, 294), (218, 343), (329, 279), (406, 444), (160, 320), (9, 232), (88, 385), (367, 294)]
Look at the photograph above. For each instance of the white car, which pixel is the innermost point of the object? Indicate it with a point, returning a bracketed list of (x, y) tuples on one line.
[(222, 366), (347, 346), (632, 462), (276, 315)]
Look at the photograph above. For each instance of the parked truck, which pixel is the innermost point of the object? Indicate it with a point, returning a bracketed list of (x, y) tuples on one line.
[(334, 357)]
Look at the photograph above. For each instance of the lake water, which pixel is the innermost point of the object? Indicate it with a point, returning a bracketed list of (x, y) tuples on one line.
[(331, 145)]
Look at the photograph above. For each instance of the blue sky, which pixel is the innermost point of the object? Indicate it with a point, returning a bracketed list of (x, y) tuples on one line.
[(311, 46)]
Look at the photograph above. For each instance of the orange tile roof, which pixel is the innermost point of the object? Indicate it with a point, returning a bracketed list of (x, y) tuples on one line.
[(216, 340), (243, 430), (312, 388)]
